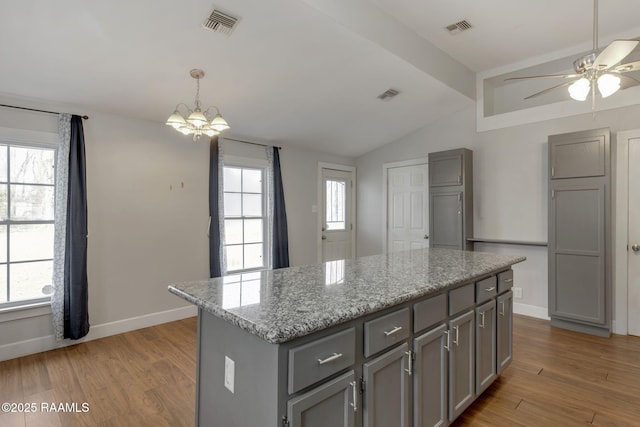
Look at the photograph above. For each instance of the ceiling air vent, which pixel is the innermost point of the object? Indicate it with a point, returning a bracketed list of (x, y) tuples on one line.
[(388, 94), (220, 22), (459, 27)]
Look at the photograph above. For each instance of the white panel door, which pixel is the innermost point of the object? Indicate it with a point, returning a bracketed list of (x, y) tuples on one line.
[(407, 207), (337, 214), (634, 237)]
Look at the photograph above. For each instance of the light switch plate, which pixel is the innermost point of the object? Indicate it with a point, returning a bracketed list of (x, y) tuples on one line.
[(517, 292), (229, 373)]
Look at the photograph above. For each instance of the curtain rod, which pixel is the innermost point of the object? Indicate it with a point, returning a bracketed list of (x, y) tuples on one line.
[(252, 143), (36, 110)]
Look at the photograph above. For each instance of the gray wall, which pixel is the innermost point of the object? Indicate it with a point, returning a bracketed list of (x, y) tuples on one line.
[(147, 229), (510, 185)]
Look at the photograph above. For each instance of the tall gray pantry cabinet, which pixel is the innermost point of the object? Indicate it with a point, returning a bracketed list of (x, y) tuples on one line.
[(580, 231), (451, 199)]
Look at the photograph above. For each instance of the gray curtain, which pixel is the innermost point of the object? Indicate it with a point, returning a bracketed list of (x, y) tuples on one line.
[(280, 249), (215, 264), (76, 297)]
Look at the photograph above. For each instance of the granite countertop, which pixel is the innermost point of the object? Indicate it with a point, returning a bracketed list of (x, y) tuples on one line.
[(280, 305)]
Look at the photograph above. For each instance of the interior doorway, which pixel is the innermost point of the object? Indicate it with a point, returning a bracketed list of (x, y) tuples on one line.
[(633, 239), (406, 205)]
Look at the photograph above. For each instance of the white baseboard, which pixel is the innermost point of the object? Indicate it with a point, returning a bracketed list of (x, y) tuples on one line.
[(37, 345), (531, 310)]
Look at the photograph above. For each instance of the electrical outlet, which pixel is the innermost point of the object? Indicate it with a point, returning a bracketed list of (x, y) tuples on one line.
[(517, 292), (229, 373)]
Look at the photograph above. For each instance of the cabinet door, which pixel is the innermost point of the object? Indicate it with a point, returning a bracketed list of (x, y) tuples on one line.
[(461, 364), (578, 157), (445, 220), (485, 345), (445, 170), (577, 281), (504, 330), (386, 397), (331, 404), (430, 378)]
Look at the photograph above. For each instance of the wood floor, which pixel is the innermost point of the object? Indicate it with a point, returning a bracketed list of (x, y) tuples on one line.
[(147, 378)]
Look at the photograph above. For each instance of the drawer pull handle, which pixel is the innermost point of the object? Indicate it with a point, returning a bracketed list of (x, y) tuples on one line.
[(331, 358), (508, 280), (393, 331), (491, 289)]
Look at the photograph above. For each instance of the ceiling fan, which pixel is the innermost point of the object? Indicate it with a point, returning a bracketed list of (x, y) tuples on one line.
[(596, 69)]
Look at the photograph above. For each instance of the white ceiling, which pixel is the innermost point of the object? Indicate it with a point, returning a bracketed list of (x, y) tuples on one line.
[(295, 72)]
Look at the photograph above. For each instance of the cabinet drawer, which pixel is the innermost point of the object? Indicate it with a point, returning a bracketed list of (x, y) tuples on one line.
[(429, 312), (319, 359), (385, 331), (460, 298), (505, 281), (486, 289)]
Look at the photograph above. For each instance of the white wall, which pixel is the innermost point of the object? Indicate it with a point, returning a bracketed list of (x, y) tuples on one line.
[(147, 190), (510, 185)]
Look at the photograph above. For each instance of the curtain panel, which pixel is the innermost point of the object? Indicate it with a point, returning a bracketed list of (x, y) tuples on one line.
[(280, 233)]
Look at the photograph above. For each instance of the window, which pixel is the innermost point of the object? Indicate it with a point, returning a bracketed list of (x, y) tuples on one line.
[(27, 183), (245, 218), (336, 201)]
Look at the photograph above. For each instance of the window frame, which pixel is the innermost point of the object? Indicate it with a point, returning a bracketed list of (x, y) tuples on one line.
[(263, 166), (37, 140)]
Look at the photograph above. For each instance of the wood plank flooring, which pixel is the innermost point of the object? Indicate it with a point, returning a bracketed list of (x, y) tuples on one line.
[(147, 378)]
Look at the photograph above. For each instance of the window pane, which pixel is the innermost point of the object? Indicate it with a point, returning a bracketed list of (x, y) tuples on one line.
[(32, 165), (3, 244), (336, 203), (252, 180), (31, 202), (3, 163), (233, 256), (253, 256), (232, 179), (30, 242), (31, 280), (232, 231), (252, 205), (232, 204), (3, 202), (3, 283), (253, 231)]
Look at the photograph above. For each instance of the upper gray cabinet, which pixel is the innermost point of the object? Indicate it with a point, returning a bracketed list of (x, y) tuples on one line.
[(451, 199), (580, 231), (579, 156)]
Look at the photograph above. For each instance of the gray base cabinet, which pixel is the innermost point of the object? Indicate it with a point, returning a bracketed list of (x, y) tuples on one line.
[(461, 364), (485, 345), (330, 404), (431, 375), (387, 379), (504, 330)]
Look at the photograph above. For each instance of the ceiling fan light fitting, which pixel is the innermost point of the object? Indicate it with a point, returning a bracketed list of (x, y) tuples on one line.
[(608, 84), (579, 90)]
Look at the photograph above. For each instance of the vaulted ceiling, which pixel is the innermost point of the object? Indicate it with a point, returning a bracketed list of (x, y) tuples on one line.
[(297, 72)]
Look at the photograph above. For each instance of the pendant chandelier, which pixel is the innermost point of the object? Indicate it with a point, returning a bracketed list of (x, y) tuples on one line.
[(197, 122)]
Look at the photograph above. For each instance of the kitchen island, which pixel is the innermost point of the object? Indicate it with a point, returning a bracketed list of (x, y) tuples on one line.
[(411, 336)]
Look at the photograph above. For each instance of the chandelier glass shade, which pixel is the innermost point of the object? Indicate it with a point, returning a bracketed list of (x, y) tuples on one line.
[(197, 122), (608, 84)]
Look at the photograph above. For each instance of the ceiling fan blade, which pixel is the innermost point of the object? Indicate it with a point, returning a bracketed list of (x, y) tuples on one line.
[(542, 92), (614, 53), (625, 68), (545, 76), (627, 81)]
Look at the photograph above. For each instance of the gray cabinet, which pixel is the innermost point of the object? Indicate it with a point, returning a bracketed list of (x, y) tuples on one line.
[(430, 378), (451, 199), (486, 345), (461, 364), (580, 231), (387, 379), (504, 347), (331, 404)]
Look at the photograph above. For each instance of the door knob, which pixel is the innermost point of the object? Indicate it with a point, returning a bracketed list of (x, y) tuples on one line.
[(324, 237), (426, 236), (635, 248)]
